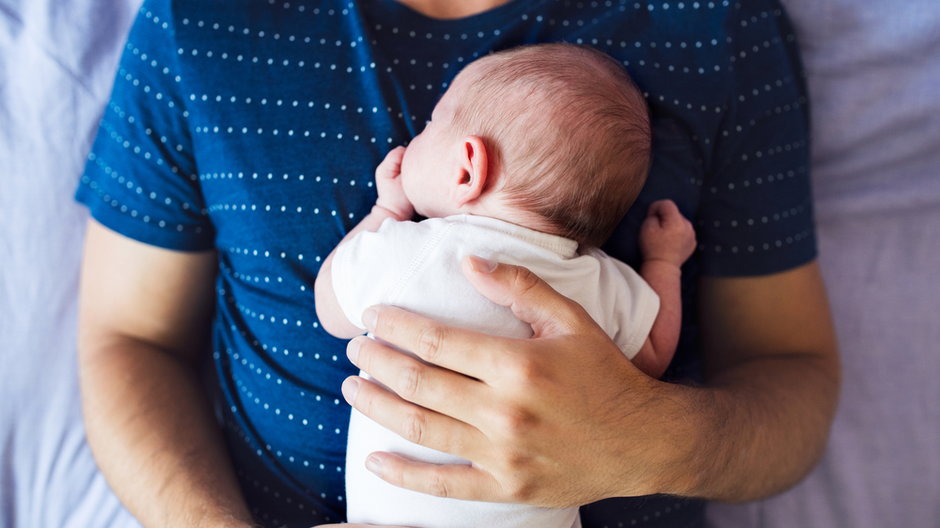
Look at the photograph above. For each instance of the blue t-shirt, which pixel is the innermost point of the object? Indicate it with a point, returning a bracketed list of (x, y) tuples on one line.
[(254, 127)]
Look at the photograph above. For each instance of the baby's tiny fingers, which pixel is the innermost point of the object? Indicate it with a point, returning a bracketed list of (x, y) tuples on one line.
[(652, 223), (394, 156), (664, 208), (391, 165), (396, 153)]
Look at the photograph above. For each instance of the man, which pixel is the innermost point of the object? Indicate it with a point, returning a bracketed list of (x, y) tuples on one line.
[(227, 173)]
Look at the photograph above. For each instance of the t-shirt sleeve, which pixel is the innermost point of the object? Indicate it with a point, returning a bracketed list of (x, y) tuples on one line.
[(141, 178), (756, 212), (372, 267)]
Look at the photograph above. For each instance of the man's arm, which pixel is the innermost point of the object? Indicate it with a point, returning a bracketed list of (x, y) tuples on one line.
[(773, 379), (756, 427), (143, 330)]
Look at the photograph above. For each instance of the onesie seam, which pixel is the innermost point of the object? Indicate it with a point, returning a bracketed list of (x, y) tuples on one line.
[(420, 257)]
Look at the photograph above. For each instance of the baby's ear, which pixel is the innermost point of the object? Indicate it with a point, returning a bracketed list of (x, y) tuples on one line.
[(472, 170)]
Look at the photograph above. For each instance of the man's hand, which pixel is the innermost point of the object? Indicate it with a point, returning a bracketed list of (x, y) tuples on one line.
[(543, 420), (666, 235), (388, 184), (563, 419)]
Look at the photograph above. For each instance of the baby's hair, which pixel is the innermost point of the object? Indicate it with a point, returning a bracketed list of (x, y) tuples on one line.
[(568, 134)]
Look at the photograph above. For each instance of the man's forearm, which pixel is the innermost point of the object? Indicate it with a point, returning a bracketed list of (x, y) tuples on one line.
[(772, 373), (154, 437), (753, 430), (756, 430)]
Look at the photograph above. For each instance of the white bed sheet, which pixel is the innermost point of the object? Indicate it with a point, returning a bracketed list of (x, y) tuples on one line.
[(57, 62)]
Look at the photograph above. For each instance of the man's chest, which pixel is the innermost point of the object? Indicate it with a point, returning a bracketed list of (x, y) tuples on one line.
[(286, 148)]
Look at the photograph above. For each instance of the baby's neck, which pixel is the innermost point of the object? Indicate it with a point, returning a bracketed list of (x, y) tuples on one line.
[(507, 212)]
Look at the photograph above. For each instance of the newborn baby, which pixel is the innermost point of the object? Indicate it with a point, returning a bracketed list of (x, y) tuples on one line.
[(532, 157)]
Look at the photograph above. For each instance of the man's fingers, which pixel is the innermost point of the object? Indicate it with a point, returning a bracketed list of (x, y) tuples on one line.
[(435, 388), (530, 298), (468, 352), (413, 423), (453, 480)]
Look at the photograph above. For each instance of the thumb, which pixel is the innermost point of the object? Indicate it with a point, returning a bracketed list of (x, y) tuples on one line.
[(530, 298)]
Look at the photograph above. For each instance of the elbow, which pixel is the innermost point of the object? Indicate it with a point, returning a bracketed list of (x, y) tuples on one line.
[(652, 361), (329, 314), (338, 329), (658, 365), (319, 304)]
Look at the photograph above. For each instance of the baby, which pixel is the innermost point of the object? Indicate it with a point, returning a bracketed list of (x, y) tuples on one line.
[(531, 157)]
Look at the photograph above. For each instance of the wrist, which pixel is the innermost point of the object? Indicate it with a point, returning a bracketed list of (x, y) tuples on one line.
[(389, 212), (669, 445), (663, 265), (680, 460), (228, 521)]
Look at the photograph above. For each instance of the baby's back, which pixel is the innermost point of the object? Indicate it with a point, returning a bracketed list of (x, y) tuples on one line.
[(420, 270)]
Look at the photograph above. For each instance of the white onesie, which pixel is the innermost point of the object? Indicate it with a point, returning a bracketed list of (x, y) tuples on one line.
[(416, 266)]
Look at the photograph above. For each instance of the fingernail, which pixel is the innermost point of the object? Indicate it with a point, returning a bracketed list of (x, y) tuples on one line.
[(369, 317), (374, 464), (352, 349), (482, 265), (350, 388)]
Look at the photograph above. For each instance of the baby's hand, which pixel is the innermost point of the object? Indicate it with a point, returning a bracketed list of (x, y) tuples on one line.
[(666, 234), (388, 183)]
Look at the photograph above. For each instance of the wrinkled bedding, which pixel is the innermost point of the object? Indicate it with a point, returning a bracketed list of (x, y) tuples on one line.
[(57, 62)]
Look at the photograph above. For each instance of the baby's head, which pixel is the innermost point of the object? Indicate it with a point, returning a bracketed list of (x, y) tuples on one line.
[(555, 137)]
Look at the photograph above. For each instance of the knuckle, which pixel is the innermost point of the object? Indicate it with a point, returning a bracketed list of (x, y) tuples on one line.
[(413, 427), (514, 422), (437, 486), (430, 342), (409, 381), (520, 491), (524, 369), (525, 280)]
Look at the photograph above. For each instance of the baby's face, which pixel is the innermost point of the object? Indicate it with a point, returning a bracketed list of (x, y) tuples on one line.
[(429, 164)]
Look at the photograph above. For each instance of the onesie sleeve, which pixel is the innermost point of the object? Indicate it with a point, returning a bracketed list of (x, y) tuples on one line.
[(625, 306), (756, 212), (141, 178), (371, 268), (637, 309)]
